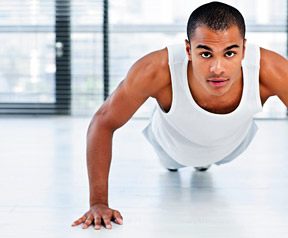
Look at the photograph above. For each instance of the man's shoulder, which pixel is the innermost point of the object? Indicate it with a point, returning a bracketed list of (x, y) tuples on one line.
[(273, 70), (151, 72), (156, 60), (271, 62)]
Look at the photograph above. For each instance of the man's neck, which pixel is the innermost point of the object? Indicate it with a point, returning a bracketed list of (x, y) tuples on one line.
[(221, 104)]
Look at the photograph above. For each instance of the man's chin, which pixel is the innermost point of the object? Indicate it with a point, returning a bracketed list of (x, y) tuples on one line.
[(219, 92)]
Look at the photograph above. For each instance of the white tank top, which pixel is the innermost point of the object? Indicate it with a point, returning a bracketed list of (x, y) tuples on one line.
[(193, 136)]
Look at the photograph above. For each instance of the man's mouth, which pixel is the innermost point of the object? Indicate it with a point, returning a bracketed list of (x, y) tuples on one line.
[(217, 82)]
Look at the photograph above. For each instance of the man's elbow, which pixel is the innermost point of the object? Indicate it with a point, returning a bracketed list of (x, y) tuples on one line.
[(100, 123)]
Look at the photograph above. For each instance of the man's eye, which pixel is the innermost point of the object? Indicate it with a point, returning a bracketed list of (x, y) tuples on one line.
[(205, 55), (229, 54)]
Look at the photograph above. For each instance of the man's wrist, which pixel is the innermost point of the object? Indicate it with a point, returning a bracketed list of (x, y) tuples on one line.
[(98, 203)]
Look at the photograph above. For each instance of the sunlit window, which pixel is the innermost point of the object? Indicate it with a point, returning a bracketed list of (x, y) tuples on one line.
[(27, 55), (137, 27)]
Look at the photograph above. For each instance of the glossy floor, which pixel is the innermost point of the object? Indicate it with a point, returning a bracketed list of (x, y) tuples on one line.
[(44, 186)]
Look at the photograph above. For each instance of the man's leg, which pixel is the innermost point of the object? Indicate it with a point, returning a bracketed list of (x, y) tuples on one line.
[(242, 147), (202, 168), (166, 161)]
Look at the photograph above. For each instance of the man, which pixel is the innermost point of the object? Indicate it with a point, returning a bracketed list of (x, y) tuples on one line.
[(207, 93)]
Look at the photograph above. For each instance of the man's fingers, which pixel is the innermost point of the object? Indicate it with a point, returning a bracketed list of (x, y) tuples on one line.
[(97, 215), (117, 217), (88, 222), (107, 222), (97, 221), (79, 221)]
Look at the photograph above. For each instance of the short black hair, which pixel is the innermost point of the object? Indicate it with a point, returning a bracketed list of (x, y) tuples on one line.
[(215, 16)]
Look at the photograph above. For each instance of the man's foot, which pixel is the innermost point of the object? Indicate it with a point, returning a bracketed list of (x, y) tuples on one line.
[(172, 170), (203, 168)]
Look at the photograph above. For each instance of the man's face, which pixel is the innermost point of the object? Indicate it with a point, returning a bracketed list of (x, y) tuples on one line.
[(216, 58)]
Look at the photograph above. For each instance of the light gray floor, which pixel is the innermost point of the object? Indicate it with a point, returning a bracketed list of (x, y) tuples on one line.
[(44, 186)]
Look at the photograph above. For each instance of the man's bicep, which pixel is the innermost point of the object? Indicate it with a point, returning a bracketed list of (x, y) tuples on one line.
[(120, 106)]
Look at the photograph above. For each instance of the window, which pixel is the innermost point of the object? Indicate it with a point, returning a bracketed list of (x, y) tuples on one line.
[(42, 72), (86, 56), (27, 55)]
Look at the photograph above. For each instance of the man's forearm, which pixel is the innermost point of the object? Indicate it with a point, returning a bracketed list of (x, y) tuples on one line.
[(99, 151)]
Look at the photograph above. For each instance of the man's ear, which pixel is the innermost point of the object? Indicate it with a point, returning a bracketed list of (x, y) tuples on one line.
[(244, 48), (188, 50)]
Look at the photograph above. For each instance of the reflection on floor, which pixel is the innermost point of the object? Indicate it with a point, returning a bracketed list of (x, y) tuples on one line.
[(44, 186)]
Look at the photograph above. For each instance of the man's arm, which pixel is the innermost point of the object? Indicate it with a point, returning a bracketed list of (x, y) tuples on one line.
[(143, 80), (274, 75)]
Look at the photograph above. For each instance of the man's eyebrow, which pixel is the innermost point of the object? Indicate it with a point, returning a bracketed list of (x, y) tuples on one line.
[(209, 49), (204, 47), (231, 47)]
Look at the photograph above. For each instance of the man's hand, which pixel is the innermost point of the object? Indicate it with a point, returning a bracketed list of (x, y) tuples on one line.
[(96, 214)]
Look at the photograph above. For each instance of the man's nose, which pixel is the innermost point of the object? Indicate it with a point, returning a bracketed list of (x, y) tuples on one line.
[(217, 67)]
